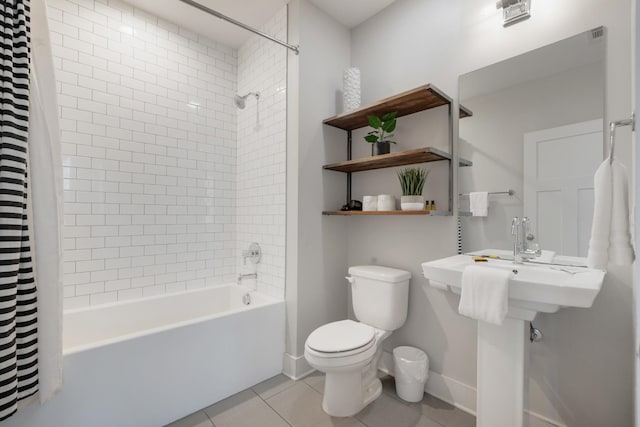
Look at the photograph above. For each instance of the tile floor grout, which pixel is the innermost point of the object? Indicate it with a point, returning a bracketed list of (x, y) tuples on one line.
[(272, 408)]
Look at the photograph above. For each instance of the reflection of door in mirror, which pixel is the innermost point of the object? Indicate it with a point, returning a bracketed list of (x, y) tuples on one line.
[(545, 90), (559, 164)]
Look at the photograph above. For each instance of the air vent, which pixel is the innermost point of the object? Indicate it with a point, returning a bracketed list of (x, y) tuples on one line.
[(597, 33)]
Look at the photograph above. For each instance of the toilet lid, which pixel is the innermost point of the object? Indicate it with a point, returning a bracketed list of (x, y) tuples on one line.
[(340, 336)]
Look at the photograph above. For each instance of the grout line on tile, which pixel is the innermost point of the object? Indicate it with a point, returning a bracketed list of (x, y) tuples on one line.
[(207, 415), (294, 382), (274, 409)]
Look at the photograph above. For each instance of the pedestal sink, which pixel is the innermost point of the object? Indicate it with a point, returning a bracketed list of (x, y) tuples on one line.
[(533, 288)]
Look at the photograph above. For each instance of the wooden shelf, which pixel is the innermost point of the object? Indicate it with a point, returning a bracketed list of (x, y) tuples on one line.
[(372, 213), (418, 99), (465, 112), (464, 162), (413, 101), (409, 157)]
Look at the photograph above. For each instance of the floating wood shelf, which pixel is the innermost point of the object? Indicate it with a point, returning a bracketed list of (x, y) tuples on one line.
[(409, 157), (465, 112), (371, 213), (415, 100), (464, 162)]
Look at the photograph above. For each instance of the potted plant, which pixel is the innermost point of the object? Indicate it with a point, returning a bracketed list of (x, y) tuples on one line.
[(379, 137), (412, 182)]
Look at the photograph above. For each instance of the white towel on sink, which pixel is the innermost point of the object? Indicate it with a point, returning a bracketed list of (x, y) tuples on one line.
[(485, 293)]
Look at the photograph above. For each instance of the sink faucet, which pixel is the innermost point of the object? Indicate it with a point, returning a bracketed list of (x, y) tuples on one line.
[(521, 232)]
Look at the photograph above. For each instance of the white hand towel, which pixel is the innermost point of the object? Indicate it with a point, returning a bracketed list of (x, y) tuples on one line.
[(479, 203), (598, 256), (485, 293), (610, 235), (620, 249)]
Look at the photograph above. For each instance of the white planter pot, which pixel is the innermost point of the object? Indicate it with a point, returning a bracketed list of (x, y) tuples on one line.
[(412, 203)]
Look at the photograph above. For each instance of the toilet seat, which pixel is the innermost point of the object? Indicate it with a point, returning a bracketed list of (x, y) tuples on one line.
[(341, 339)]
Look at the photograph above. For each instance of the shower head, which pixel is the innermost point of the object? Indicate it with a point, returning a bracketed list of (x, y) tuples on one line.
[(240, 101)]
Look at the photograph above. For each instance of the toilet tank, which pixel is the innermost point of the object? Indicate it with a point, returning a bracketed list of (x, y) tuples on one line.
[(380, 295)]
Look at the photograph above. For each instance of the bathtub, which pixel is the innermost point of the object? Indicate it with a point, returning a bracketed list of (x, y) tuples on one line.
[(149, 362)]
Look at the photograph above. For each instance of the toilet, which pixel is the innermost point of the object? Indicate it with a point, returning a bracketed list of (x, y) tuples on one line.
[(347, 351)]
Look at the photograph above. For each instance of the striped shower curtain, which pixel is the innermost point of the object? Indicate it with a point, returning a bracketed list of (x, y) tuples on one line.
[(18, 304)]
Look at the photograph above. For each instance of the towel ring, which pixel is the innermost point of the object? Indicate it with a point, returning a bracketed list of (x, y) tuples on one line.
[(612, 132)]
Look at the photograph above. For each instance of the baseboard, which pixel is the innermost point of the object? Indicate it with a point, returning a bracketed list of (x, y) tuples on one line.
[(295, 367), (452, 391), (537, 420), (461, 395)]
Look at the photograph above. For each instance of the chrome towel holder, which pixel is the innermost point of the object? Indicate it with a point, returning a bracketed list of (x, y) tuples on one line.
[(612, 132), (510, 192)]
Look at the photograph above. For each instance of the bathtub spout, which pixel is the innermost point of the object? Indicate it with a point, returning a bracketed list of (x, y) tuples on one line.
[(241, 277)]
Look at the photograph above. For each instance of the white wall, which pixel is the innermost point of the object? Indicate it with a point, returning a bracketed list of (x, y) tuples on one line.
[(148, 132), (261, 155), (415, 42), (316, 245)]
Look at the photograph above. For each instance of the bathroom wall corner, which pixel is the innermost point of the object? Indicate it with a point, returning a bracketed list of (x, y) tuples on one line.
[(316, 246)]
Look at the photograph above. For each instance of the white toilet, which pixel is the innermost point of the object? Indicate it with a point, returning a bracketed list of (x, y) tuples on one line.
[(349, 352)]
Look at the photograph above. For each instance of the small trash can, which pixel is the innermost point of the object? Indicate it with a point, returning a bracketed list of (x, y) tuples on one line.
[(412, 368)]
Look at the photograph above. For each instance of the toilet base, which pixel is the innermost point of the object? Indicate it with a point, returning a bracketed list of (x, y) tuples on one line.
[(345, 395)]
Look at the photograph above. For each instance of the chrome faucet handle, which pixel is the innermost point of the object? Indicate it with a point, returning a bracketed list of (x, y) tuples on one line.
[(254, 253)]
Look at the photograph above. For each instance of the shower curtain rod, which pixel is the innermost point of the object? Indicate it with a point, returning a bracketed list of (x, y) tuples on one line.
[(295, 49)]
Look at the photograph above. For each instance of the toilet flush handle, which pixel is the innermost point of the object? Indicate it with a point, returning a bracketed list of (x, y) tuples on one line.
[(350, 279)]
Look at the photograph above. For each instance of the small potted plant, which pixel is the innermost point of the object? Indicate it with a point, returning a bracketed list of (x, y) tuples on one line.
[(379, 137), (412, 182)]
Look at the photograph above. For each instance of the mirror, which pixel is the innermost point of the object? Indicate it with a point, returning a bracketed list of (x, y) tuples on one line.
[(537, 129)]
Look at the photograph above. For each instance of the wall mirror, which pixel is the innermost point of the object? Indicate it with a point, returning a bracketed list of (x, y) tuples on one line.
[(537, 130)]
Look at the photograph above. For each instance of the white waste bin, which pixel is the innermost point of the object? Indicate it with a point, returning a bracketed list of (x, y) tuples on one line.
[(411, 368)]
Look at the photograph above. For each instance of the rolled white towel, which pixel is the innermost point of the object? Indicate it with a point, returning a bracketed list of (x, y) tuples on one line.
[(370, 203)]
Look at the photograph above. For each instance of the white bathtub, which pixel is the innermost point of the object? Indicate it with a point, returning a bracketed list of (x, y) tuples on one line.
[(148, 362)]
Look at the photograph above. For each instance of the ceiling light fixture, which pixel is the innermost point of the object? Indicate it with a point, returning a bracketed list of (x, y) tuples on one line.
[(514, 10)]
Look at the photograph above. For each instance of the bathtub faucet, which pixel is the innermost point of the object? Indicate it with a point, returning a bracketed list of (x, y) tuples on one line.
[(241, 277)]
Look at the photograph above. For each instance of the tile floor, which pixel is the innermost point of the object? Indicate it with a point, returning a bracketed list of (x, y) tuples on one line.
[(281, 402)]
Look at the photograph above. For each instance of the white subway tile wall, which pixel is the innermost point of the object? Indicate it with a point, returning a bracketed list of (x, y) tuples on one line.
[(149, 154), (261, 167)]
